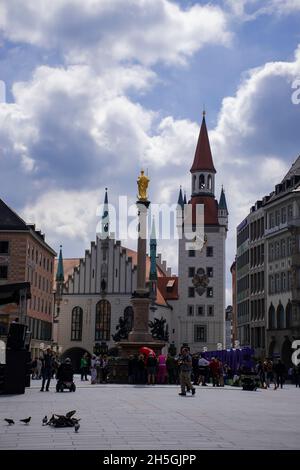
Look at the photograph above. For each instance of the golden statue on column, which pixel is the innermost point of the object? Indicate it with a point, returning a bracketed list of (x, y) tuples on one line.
[(143, 182)]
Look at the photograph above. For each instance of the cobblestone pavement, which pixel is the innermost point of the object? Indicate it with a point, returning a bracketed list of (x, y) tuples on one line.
[(154, 417)]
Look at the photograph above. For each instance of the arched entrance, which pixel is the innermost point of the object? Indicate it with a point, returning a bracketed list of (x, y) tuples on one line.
[(75, 354), (280, 316), (271, 348), (272, 317), (286, 352), (288, 315)]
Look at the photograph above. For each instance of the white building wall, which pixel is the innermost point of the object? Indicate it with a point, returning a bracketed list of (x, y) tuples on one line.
[(215, 325)]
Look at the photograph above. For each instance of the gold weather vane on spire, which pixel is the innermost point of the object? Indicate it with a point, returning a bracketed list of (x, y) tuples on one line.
[(142, 182)]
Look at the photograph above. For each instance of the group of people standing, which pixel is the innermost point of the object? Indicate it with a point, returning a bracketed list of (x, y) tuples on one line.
[(276, 374), (96, 367), (99, 369), (148, 369)]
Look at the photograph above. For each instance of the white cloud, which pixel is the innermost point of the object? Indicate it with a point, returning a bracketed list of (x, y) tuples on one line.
[(246, 10), (147, 31), (65, 215)]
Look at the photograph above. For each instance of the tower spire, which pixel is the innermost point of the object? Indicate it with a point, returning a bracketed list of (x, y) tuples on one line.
[(60, 267), (222, 202), (203, 160), (105, 217), (180, 198)]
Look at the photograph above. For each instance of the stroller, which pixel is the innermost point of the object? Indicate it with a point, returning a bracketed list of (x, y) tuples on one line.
[(250, 382), (65, 377)]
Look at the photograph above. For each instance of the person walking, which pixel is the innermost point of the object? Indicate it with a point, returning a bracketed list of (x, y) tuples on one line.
[(98, 362), (84, 367), (162, 369), (39, 365), (215, 371), (280, 372), (195, 369), (104, 369), (171, 369), (203, 365), (185, 365), (47, 368), (297, 375), (93, 370), (151, 365), (260, 371), (33, 369), (141, 371), (269, 371)]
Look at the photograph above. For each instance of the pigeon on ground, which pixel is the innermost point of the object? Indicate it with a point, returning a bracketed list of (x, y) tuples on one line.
[(26, 420), (51, 420), (77, 426), (70, 414), (45, 420), (9, 421)]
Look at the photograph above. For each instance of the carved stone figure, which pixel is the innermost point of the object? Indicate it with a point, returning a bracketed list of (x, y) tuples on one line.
[(159, 330), (123, 329)]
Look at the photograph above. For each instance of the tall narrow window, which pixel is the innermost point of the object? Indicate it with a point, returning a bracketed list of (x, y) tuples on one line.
[(272, 318), (201, 182), (194, 182), (200, 333), (76, 325), (288, 315), (4, 246), (102, 326), (209, 182), (280, 317)]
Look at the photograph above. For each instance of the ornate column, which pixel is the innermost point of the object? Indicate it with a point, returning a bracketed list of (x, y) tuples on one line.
[(141, 297)]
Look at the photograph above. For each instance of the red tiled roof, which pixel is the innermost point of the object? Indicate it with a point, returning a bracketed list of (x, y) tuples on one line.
[(171, 292), (203, 158)]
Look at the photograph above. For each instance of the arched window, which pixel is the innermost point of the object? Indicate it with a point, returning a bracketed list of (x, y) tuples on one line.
[(76, 325), (128, 317), (209, 182), (194, 182), (288, 315), (201, 182), (280, 317), (272, 319), (102, 325)]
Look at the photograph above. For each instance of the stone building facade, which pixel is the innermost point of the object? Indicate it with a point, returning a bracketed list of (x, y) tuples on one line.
[(201, 311), (268, 263), (26, 257), (97, 291)]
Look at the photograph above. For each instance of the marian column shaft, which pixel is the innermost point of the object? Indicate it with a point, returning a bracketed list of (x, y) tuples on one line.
[(142, 246)]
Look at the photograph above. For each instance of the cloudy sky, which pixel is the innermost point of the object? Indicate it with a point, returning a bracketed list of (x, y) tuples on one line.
[(97, 89)]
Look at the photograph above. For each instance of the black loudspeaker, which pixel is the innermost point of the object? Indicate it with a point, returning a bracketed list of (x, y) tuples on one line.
[(15, 372), (16, 336)]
